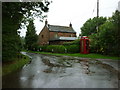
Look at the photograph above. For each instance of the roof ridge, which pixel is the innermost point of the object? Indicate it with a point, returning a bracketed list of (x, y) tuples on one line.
[(58, 25), (58, 28)]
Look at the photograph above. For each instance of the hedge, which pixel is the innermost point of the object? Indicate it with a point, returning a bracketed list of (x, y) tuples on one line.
[(42, 48), (72, 48), (76, 42), (56, 48), (69, 47)]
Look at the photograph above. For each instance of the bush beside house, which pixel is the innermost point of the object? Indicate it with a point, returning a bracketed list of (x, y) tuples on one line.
[(67, 47), (56, 48)]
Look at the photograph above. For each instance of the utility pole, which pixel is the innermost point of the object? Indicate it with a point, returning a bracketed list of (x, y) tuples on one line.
[(97, 13), (97, 24), (97, 8)]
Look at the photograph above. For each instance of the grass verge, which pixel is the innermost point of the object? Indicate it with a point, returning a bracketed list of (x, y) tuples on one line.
[(91, 55), (17, 64)]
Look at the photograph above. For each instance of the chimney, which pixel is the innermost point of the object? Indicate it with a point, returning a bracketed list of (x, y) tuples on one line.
[(46, 22), (70, 25)]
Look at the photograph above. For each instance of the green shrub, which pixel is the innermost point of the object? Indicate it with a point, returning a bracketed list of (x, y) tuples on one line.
[(76, 42), (49, 48), (56, 48), (61, 49), (42, 48), (72, 48), (67, 43), (94, 43)]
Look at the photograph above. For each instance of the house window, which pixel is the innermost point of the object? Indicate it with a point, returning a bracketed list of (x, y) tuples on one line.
[(56, 35), (42, 36)]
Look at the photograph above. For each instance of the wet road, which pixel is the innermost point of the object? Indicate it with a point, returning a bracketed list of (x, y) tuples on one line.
[(51, 72)]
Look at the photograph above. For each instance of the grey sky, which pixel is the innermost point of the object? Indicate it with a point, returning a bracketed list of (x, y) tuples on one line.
[(62, 12)]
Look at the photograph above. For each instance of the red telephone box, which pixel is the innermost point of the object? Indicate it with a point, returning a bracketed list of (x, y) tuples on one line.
[(84, 42)]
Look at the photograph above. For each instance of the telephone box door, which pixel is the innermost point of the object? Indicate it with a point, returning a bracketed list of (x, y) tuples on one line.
[(84, 42)]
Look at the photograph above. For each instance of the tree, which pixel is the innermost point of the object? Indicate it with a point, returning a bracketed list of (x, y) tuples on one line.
[(13, 14), (90, 26), (110, 35), (116, 22), (107, 40), (94, 43), (106, 37), (31, 36), (22, 42)]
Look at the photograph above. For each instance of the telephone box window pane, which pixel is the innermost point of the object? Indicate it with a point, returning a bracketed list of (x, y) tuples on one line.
[(82, 46), (87, 44)]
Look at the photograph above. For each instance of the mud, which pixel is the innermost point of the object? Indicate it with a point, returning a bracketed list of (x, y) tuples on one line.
[(67, 61)]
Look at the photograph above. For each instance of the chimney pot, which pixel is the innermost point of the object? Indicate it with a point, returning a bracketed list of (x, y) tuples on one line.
[(46, 22), (70, 25)]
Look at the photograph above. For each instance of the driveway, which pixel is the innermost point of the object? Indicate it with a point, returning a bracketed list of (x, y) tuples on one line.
[(46, 71)]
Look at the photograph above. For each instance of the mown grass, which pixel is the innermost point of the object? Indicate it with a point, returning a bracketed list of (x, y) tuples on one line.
[(13, 66), (91, 55)]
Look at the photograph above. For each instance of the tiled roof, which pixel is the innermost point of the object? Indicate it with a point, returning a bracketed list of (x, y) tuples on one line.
[(56, 28), (64, 38)]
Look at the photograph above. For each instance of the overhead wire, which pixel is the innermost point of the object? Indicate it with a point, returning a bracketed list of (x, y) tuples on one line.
[(94, 8), (105, 8)]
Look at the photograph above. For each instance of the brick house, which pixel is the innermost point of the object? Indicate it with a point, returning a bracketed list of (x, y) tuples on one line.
[(54, 34)]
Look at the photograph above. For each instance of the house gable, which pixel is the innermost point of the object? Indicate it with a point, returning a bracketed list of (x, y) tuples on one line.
[(43, 38)]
